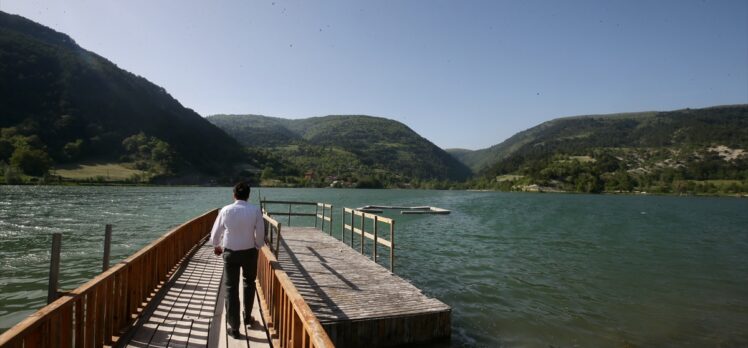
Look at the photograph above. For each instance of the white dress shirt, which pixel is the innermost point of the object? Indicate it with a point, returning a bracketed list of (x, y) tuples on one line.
[(239, 226)]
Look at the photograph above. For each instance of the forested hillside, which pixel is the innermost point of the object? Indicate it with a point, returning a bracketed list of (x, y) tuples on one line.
[(692, 150), (360, 150), (61, 104)]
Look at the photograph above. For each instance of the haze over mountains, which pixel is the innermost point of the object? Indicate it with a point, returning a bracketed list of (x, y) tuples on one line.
[(63, 105)]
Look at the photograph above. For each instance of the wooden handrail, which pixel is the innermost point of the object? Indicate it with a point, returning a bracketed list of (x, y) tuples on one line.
[(99, 311), (373, 235), (272, 233), (289, 202), (289, 319), (325, 218)]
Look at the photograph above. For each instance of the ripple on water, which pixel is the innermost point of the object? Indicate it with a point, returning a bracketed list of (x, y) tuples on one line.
[(519, 270)]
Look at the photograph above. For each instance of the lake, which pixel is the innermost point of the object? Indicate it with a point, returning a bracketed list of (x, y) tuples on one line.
[(518, 269)]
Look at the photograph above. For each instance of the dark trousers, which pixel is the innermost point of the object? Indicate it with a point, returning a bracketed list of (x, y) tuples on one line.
[(233, 260)]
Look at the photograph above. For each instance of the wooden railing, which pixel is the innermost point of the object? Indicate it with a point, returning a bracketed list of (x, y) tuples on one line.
[(325, 218), (290, 321), (272, 233), (372, 235), (322, 217), (101, 310)]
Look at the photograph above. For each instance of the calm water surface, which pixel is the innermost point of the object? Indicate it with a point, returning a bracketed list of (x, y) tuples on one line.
[(519, 270)]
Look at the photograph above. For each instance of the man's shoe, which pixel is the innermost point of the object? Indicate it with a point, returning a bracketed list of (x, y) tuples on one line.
[(234, 333)]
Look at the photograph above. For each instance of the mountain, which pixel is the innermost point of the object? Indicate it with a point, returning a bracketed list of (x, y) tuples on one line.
[(72, 105), (342, 146), (646, 148), (478, 160)]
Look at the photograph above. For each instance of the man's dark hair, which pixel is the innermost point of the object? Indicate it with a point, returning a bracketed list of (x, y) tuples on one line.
[(241, 191)]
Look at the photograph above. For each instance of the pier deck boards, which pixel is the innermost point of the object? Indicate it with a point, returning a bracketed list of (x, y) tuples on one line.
[(359, 302), (189, 312)]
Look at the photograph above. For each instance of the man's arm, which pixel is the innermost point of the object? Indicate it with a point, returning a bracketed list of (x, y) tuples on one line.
[(216, 235)]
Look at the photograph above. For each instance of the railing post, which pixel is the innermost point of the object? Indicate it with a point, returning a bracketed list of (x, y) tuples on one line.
[(323, 217), (277, 240), (289, 214), (107, 247), (268, 236), (342, 225), (331, 220), (316, 212), (54, 267), (363, 223), (353, 215), (375, 238), (392, 246)]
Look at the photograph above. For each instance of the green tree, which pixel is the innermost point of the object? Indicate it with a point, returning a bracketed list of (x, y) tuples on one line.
[(6, 149), (73, 149), (12, 176), (150, 153), (621, 181), (589, 183), (162, 154), (34, 162), (267, 174)]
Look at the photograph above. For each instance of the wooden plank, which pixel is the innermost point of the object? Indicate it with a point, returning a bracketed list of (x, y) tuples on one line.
[(90, 333), (66, 326), (34, 339), (217, 331), (198, 336), (168, 318), (52, 338), (79, 322), (100, 312), (258, 335), (109, 316)]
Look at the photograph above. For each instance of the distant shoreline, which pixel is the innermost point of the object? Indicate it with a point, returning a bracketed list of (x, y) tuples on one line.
[(113, 184)]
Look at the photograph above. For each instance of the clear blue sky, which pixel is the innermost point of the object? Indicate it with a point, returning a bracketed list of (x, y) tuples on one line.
[(461, 73)]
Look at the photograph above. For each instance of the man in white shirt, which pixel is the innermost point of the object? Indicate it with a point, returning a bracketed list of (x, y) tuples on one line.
[(238, 233)]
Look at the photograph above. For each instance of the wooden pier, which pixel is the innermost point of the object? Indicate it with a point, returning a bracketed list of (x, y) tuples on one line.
[(168, 295), (313, 290), (358, 302)]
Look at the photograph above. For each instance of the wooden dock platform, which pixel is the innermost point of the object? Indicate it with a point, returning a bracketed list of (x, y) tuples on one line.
[(314, 291), (188, 311), (358, 302)]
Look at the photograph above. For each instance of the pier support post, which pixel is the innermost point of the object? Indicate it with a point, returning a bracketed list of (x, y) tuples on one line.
[(107, 247), (54, 267)]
